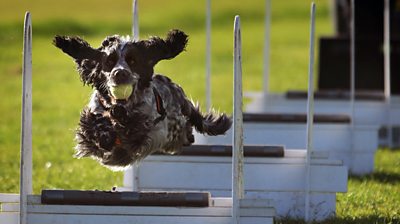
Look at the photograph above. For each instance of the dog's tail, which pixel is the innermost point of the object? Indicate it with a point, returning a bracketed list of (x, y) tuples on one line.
[(210, 123)]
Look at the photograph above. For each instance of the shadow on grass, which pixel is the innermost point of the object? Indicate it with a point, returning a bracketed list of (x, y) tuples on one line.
[(347, 220), (379, 176)]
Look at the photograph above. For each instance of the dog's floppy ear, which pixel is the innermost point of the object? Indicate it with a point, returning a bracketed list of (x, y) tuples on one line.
[(167, 48), (86, 58), (77, 48)]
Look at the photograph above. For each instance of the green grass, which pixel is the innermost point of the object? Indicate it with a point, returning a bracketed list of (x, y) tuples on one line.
[(58, 95)]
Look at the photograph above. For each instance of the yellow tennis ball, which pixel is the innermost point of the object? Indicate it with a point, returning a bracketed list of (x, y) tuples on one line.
[(122, 91)]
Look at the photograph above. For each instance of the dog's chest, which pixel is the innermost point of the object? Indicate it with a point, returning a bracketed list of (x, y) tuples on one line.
[(169, 128)]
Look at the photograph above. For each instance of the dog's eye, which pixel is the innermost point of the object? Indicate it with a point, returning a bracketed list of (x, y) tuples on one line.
[(111, 61)]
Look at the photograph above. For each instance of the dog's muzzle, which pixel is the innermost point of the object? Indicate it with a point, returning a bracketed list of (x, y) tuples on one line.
[(121, 76), (121, 84)]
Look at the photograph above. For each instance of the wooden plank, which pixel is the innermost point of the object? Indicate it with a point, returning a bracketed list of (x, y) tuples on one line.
[(148, 211), (294, 118), (4, 198), (259, 151), (263, 205), (226, 150), (244, 203), (107, 219), (327, 137), (251, 160), (9, 207), (215, 176), (78, 197), (214, 202), (336, 95), (9, 217), (128, 210), (256, 203), (299, 153)]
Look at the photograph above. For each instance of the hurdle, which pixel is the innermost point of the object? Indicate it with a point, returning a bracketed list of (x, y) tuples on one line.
[(101, 207), (370, 108), (351, 141), (354, 144), (270, 172)]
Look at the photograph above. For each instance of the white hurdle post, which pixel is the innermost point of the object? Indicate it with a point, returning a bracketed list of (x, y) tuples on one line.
[(135, 21), (352, 71), (267, 42), (26, 123), (310, 113), (131, 175), (237, 141), (208, 55), (386, 58)]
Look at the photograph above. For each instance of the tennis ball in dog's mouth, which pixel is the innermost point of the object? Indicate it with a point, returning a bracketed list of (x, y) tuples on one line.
[(122, 91)]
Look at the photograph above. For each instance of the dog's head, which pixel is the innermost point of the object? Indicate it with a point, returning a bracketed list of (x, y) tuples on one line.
[(120, 65)]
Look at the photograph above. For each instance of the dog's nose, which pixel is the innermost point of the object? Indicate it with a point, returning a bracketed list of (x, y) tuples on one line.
[(121, 76)]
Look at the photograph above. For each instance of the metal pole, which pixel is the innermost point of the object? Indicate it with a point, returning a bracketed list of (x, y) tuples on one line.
[(26, 121), (310, 113), (208, 55), (267, 45), (135, 21), (237, 141), (386, 36)]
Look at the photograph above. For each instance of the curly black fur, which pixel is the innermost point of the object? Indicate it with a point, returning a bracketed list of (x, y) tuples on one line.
[(156, 116)]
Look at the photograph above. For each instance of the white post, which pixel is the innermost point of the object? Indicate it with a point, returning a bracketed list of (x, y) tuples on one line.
[(208, 55), (237, 141), (310, 113), (352, 72), (135, 21), (387, 90), (333, 9), (131, 175), (267, 45), (26, 122)]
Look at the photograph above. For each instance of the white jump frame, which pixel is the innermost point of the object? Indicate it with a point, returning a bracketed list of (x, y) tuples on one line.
[(237, 141), (135, 20), (135, 36), (208, 55), (352, 73), (267, 44), (26, 123), (387, 69), (310, 111)]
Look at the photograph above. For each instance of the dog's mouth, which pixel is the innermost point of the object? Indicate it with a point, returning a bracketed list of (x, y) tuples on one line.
[(121, 92)]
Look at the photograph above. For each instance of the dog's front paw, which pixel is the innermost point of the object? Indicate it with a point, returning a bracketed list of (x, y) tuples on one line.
[(104, 133)]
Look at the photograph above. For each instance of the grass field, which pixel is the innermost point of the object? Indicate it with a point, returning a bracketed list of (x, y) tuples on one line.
[(58, 95)]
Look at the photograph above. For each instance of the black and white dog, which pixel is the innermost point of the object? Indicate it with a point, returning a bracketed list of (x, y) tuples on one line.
[(133, 112)]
